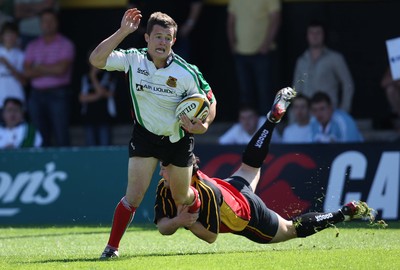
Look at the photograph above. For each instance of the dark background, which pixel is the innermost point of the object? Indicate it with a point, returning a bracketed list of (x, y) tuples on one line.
[(358, 29)]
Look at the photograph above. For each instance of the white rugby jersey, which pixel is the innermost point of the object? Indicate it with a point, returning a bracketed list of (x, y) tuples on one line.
[(155, 93)]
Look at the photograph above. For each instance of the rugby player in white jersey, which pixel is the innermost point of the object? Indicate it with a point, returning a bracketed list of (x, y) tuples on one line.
[(158, 80)]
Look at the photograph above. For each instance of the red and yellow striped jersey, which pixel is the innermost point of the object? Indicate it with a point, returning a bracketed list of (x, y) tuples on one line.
[(223, 207)]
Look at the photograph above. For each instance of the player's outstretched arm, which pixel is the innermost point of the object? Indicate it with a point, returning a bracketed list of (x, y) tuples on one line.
[(168, 226), (201, 232), (129, 23)]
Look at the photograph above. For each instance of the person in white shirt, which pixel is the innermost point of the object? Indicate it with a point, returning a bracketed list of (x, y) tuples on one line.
[(248, 123), (330, 125), (12, 79), (16, 132), (300, 130)]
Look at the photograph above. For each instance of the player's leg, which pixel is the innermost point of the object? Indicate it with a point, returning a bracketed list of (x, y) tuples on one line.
[(179, 165), (257, 149), (311, 223), (182, 192), (140, 171)]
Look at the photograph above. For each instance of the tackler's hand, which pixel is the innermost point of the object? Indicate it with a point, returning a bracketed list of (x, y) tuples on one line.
[(184, 218)]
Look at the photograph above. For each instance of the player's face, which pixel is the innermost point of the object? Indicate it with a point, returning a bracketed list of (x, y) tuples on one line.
[(322, 111), (164, 174), (159, 42)]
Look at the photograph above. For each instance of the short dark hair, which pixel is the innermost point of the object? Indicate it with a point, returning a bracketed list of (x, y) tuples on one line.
[(317, 23), (162, 19), (320, 97), (196, 161), (49, 11), (302, 96), (9, 26), (14, 100), (247, 107)]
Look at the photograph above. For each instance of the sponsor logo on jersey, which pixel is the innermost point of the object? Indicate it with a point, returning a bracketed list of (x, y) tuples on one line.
[(171, 81), (139, 87), (142, 71), (149, 87)]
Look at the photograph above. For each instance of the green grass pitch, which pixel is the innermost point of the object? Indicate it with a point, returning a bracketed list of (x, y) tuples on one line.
[(350, 246)]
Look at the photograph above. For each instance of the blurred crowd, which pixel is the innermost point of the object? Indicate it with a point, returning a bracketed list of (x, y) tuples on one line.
[(37, 61)]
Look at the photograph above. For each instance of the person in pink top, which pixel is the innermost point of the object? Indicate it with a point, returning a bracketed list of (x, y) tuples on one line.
[(48, 65)]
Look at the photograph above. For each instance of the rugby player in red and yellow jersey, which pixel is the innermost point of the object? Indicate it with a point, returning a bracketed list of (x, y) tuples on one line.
[(230, 205)]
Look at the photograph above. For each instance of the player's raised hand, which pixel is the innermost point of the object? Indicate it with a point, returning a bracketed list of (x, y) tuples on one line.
[(131, 20)]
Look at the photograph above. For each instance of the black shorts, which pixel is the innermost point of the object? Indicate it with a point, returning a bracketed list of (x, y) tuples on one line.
[(146, 144), (264, 222)]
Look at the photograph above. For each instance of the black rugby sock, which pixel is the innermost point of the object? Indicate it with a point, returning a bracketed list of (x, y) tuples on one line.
[(311, 223), (257, 149)]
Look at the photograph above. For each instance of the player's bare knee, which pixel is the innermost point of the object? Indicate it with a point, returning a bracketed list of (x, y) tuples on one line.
[(180, 199)]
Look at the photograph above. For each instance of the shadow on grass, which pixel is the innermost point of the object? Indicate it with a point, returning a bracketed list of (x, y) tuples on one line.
[(51, 235), (129, 257), (144, 227)]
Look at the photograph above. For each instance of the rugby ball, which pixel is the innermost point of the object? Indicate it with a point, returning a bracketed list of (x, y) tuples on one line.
[(194, 106)]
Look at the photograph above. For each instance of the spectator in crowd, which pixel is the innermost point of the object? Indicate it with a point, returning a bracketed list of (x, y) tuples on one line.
[(185, 13), (252, 29), (322, 69), (12, 79), (330, 125), (48, 65), (300, 130), (392, 91), (248, 123), (98, 105), (15, 132), (27, 13), (5, 15)]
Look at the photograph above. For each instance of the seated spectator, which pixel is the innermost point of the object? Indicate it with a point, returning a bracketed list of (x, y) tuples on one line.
[(392, 91), (243, 131), (330, 125), (300, 130), (16, 132), (12, 79), (98, 105)]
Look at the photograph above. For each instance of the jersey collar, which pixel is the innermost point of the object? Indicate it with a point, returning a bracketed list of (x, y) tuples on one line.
[(170, 58)]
